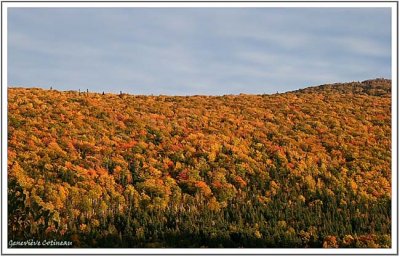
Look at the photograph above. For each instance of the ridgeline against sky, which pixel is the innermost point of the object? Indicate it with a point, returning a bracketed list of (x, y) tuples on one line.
[(185, 51)]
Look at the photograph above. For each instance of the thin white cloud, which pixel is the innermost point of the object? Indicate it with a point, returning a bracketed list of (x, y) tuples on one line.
[(361, 46)]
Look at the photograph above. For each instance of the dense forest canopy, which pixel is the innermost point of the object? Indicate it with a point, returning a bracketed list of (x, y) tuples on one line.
[(309, 168)]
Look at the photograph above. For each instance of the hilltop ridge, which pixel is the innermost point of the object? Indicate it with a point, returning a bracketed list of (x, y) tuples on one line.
[(375, 87), (378, 86)]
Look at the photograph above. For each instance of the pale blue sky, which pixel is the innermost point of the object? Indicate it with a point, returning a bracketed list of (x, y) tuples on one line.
[(186, 51)]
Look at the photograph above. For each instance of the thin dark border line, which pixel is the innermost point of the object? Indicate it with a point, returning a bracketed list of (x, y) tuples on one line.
[(73, 1), (397, 124), (179, 254), (1, 115), (197, 254)]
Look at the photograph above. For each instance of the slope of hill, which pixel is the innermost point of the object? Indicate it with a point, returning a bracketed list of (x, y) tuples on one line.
[(310, 168), (374, 87)]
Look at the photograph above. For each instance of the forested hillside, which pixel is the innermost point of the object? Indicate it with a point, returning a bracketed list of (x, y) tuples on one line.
[(309, 168)]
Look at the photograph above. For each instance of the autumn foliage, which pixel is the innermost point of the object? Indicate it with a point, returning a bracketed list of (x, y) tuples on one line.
[(309, 168)]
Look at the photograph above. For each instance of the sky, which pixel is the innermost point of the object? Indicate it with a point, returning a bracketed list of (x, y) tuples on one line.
[(189, 51)]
